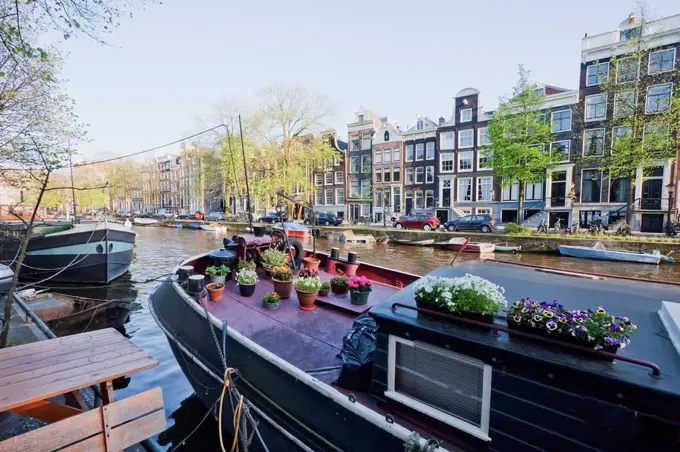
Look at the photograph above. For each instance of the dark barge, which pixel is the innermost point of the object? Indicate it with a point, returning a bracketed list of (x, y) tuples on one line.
[(458, 387)]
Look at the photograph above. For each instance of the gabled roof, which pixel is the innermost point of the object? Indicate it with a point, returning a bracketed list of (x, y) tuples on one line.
[(425, 123)]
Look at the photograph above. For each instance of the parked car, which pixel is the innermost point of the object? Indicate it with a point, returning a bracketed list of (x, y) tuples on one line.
[(325, 219), (272, 217), (426, 222), (215, 216), (484, 223), (183, 215)]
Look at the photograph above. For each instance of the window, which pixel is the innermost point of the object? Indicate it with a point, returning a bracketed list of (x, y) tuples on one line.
[(658, 98), (354, 189), (446, 162), (429, 174), (483, 160), (510, 191), (419, 175), (465, 138), (617, 134), (365, 188), (626, 70), (465, 161), (396, 155), (597, 74), (339, 177), (409, 176), (387, 156), (631, 33), (353, 165), (354, 144), (466, 115), (618, 189), (365, 163), (533, 191), (396, 174), (378, 175), (318, 199), (624, 104), (661, 61), (386, 136), (329, 197), (329, 178), (591, 181), (596, 107), (484, 186), (418, 198), (419, 125), (360, 118), (365, 142), (655, 137), (387, 175), (561, 149), (483, 210), (446, 191), (378, 197), (318, 179), (337, 160), (378, 156), (593, 142), (429, 199), (447, 140), (339, 196), (409, 153), (561, 120), (483, 138), (420, 152), (465, 189), (396, 194), (429, 150)]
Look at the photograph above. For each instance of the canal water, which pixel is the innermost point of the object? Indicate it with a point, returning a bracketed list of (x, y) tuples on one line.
[(160, 249)]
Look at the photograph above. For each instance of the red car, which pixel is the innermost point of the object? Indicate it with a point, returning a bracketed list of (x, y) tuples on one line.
[(426, 222)]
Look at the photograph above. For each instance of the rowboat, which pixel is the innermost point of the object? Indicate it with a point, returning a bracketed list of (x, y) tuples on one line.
[(428, 242), (601, 253), (507, 248), (295, 230), (145, 222), (458, 244), (213, 227)]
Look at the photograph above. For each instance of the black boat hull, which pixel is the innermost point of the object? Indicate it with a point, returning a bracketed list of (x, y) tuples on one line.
[(301, 409)]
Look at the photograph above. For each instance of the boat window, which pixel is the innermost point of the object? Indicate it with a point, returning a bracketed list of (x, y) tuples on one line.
[(452, 388)]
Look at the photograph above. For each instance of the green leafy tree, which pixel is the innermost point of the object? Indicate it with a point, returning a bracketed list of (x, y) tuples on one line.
[(519, 134)]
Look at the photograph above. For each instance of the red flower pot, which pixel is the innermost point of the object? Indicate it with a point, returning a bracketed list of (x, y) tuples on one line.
[(306, 300)]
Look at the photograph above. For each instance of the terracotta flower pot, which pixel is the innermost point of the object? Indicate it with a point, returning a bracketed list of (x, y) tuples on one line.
[(359, 298), (215, 291), (311, 263), (246, 290), (306, 300), (339, 289), (324, 292), (283, 288)]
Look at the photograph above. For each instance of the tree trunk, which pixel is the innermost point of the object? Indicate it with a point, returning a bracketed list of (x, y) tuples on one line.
[(520, 202), (20, 260), (630, 198)]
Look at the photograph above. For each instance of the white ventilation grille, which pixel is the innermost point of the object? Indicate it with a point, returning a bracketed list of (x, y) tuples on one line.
[(447, 386)]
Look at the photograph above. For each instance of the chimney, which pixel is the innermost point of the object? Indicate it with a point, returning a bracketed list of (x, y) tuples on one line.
[(441, 120)]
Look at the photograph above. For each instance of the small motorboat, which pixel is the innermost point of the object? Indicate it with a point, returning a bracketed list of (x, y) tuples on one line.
[(508, 248), (293, 229), (213, 227), (428, 242), (195, 226), (598, 251), (458, 244), (145, 222), (349, 237)]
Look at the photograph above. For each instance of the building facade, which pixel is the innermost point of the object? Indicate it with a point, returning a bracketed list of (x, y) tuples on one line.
[(359, 163), (387, 172), (420, 150), (329, 184)]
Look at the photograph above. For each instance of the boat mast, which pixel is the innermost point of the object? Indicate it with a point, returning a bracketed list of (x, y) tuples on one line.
[(245, 170), (73, 185)]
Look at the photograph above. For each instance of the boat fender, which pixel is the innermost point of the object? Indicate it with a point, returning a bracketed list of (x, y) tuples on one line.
[(299, 251)]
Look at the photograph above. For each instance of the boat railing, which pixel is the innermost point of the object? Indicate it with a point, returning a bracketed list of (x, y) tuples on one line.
[(655, 369)]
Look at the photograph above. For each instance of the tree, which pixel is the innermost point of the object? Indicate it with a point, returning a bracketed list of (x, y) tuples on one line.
[(641, 110), (519, 134)]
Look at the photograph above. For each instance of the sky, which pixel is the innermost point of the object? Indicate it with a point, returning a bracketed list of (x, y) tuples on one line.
[(172, 62)]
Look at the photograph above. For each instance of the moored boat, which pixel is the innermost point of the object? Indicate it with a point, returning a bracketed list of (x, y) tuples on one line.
[(294, 230), (458, 244), (507, 248), (428, 242), (213, 227), (195, 226), (145, 222), (602, 253)]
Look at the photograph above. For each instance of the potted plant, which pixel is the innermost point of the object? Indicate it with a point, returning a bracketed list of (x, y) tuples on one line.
[(311, 263), (325, 288), (306, 287), (273, 258), (245, 264), (339, 284), (246, 280), (215, 290), (359, 289), (270, 301), (434, 293), (218, 273), (282, 277), (476, 298)]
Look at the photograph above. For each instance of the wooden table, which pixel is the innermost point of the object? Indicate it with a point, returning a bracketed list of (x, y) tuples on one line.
[(32, 373)]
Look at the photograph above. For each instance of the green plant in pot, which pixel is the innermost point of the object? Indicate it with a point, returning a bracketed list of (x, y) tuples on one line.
[(273, 258), (270, 301), (360, 288), (325, 288), (245, 264), (339, 284), (282, 277), (246, 279), (307, 286), (476, 298), (218, 273)]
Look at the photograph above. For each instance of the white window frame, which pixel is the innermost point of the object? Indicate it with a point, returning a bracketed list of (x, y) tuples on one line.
[(387, 156), (429, 146), (637, 70), (431, 192), (585, 109), (429, 181), (421, 146), (583, 151), (459, 191), (617, 101), (479, 185), (484, 211), (596, 66), (375, 175), (480, 135), (463, 113), (406, 176), (336, 160), (552, 115), (318, 179), (472, 138), (396, 155), (670, 98), (337, 190), (396, 170), (370, 161), (352, 141), (325, 178), (420, 170), (449, 156), (325, 197), (316, 196), (378, 155), (649, 61), (366, 136), (357, 169), (568, 149), (480, 154), (340, 180), (472, 161), (413, 152), (611, 150), (581, 187), (385, 172), (447, 140)]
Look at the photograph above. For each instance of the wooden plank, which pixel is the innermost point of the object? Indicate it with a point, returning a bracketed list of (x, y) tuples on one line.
[(95, 443), (51, 367), (138, 430), (107, 429), (66, 341), (37, 356), (107, 392), (54, 436), (47, 411), (135, 406), (48, 386)]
